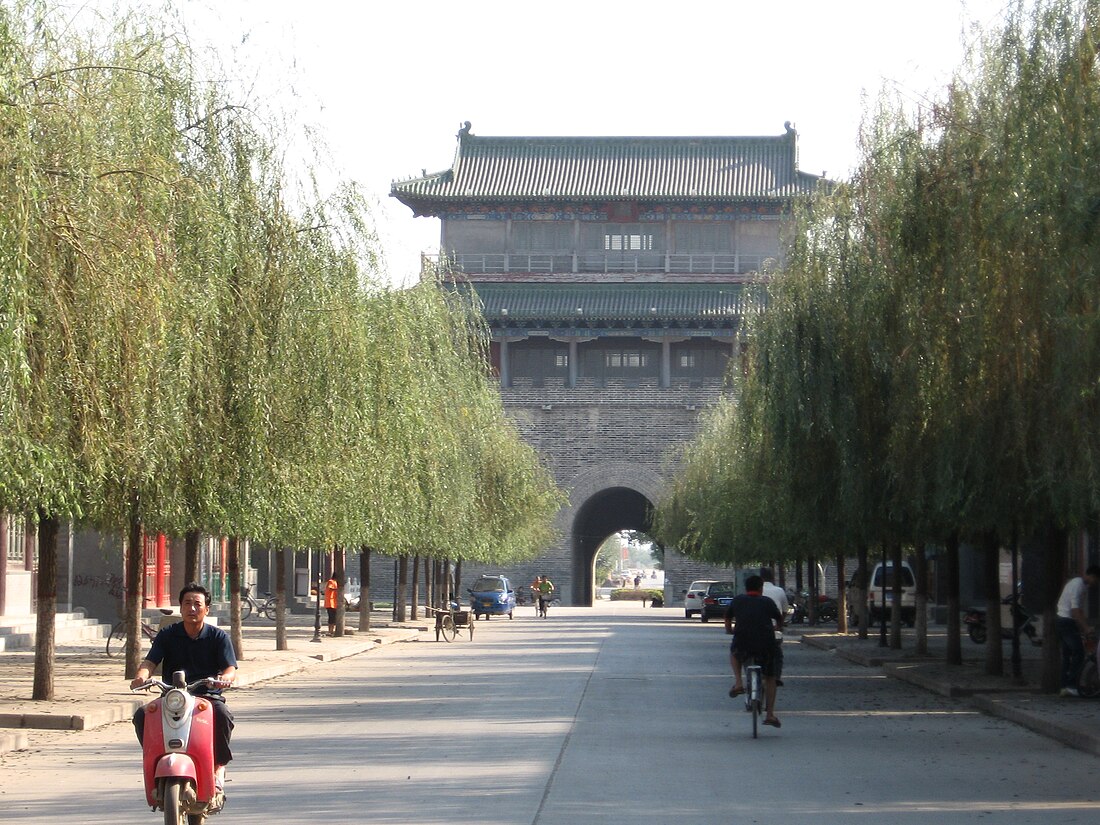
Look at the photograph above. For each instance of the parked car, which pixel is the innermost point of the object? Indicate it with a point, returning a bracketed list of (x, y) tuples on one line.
[(716, 598), (693, 597), (878, 581), (492, 596)]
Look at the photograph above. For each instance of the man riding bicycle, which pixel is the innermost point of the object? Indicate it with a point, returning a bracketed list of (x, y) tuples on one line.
[(545, 589), (757, 619)]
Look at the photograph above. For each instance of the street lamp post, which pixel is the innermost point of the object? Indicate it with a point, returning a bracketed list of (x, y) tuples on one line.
[(882, 628)]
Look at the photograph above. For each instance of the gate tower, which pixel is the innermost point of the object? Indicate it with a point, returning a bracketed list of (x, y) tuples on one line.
[(615, 274)]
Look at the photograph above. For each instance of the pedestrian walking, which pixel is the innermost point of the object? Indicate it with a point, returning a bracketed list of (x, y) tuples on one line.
[(332, 594)]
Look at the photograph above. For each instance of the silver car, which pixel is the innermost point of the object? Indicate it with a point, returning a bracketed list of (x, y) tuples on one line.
[(693, 597)]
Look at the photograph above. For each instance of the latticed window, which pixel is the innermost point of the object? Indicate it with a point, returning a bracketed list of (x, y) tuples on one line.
[(619, 359), (17, 540), (542, 236), (629, 238), (703, 238)]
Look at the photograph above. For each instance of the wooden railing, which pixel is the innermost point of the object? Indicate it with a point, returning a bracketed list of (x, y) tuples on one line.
[(479, 263)]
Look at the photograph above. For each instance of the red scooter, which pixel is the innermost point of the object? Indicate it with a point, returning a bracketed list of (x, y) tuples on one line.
[(178, 751)]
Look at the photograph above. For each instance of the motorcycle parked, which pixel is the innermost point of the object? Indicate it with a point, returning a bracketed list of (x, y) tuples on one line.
[(178, 751), (974, 619), (797, 612)]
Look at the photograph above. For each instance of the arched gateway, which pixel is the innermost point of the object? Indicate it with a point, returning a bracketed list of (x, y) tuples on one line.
[(615, 274)]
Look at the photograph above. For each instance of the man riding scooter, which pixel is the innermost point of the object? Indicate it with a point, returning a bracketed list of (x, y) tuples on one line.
[(202, 651)]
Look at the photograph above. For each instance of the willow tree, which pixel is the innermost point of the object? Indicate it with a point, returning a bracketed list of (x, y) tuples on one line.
[(103, 309), (1008, 278)]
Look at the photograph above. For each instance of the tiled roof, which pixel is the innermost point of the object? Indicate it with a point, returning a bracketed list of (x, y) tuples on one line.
[(667, 169), (646, 303)]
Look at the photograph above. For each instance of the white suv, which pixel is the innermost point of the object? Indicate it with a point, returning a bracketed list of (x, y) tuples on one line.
[(693, 597)]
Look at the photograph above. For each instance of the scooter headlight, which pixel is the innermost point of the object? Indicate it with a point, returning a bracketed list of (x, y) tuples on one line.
[(175, 701)]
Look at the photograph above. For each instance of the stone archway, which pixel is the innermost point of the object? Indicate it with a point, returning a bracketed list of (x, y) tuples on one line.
[(613, 496), (602, 514)]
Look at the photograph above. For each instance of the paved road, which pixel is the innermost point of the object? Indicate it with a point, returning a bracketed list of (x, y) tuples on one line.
[(613, 715)]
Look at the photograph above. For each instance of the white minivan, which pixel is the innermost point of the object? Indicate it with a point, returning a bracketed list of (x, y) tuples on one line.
[(875, 596)]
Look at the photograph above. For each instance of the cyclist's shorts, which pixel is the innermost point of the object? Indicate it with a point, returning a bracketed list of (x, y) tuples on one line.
[(770, 660)]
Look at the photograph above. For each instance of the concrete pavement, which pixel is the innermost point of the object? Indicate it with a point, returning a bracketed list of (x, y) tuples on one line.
[(90, 689), (1073, 722)]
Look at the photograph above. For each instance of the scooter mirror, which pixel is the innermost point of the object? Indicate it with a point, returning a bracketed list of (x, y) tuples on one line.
[(179, 679)]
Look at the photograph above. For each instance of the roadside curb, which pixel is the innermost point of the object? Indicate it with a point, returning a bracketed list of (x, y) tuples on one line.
[(1074, 737), (101, 714), (74, 717), (1019, 704)]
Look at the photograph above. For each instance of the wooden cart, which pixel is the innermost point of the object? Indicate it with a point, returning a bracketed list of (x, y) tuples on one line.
[(449, 622)]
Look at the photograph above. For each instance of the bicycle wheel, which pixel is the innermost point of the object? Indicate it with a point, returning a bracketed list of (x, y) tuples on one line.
[(447, 628), (1089, 684), (270, 608), (755, 701), (116, 641), (246, 608)]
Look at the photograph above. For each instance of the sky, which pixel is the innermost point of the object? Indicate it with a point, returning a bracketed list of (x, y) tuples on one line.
[(386, 84)]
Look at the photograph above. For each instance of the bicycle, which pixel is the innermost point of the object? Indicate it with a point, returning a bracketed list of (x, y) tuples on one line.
[(116, 639), (754, 692), (1088, 685), (268, 608)]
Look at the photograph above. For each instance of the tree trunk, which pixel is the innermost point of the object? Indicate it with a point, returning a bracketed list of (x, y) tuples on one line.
[(46, 607), (798, 588), (920, 560), (191, 556), (458, 579), (280, 600), (429, 594), (340, 574), (364, 588), (895, 608), (233, 575), (864, 577), (1054, 566), (991, 584), (134, 574), (841, 595), (954, 609), (402, 587), (781, 573), (415, 597), (437, 583)]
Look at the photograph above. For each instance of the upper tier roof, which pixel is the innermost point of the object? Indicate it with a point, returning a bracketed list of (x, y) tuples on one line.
[(570, 169)]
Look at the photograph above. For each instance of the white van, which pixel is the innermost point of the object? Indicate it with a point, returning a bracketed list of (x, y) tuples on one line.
[(908, 593)]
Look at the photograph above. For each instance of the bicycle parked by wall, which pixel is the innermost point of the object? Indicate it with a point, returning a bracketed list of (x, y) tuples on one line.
[(116, 641), (268, 608)]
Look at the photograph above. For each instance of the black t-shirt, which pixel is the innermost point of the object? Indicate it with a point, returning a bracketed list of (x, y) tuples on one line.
[(756, 618), (208, 655)]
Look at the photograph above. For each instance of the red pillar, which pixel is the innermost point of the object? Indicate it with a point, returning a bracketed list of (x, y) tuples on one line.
[(164, 570)]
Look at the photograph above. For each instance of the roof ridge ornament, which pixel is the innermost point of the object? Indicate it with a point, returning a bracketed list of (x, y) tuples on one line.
[(464, 130)]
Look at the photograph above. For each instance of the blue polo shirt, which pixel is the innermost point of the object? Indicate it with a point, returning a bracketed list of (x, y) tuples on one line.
[(208, 655)]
